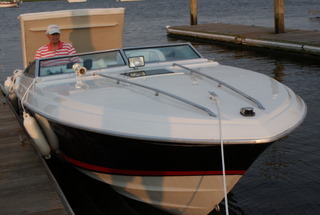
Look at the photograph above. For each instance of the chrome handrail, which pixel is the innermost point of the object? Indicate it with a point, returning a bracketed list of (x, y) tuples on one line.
[(157, 91), (224, 84)]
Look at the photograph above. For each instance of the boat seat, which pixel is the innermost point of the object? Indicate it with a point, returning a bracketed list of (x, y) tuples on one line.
[(87, 63), (150, 55)]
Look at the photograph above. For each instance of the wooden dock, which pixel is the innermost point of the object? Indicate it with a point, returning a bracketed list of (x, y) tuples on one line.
[(299, 41), (26, 183)]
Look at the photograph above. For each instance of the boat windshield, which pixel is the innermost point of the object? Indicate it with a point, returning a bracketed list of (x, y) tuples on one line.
[(164, 53), (91, 61), (113, 58)]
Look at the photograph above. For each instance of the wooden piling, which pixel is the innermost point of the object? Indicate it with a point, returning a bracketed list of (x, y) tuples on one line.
[(279, 16), (193, 12)]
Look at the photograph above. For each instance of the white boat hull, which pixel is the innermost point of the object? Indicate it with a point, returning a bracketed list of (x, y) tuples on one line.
[(8, 4), (184, 195)]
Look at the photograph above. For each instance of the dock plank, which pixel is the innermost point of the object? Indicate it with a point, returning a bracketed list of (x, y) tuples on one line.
[(300, 41), (25, 185)]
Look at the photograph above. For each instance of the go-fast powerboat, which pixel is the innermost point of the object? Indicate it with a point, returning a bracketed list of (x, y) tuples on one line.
[(160, 124)]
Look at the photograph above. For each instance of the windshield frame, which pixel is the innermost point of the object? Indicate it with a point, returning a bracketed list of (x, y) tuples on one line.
[(63, 64), (181, 51), (163, 52)]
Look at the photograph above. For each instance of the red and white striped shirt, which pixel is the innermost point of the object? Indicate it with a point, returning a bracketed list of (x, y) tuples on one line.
[(47, 50), (64, 49)]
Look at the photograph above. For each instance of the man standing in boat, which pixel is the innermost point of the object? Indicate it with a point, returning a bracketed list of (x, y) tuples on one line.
[(55, 47)]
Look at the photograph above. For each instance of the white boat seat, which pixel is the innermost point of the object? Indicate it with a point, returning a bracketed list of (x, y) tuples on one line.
[(150, 55)]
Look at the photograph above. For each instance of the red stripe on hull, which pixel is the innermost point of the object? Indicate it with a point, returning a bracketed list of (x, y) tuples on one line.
[(146, 172)]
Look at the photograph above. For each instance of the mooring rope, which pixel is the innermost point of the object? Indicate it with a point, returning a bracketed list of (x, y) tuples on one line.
[(214, 96), (25, 95)]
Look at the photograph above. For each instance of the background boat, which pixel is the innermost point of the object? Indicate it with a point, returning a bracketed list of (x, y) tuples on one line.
[(74, 1), (10, 3)]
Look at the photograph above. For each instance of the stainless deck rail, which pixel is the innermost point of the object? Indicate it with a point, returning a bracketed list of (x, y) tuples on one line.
[(224, 84), (157, 91)]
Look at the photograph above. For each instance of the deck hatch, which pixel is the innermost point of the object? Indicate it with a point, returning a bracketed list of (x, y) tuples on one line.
[(141, 73)]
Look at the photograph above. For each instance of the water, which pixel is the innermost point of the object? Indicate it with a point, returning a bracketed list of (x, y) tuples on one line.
[(285, 178)]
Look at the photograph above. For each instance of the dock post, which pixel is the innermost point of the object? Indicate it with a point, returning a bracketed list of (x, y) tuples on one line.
[(193, 12), (279, 16)]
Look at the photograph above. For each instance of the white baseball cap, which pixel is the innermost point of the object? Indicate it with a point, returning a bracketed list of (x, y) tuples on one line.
[(53, 29)]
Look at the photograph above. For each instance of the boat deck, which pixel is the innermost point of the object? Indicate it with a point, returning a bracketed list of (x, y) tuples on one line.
[(26, 183), (299, 41)]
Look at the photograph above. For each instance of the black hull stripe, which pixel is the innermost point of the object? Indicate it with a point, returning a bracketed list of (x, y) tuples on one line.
[(146, 172)]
